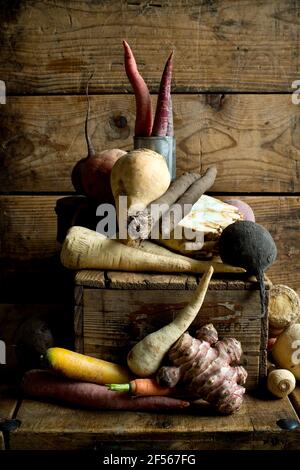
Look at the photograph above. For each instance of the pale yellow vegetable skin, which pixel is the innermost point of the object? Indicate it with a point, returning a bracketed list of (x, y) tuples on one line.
[(142, 175), (196, 266), (77, 366), (86, 249), (145, 357), (284, 306), (286, 350), (281, 382)]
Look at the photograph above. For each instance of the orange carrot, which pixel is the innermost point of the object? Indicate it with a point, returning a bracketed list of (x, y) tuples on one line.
[(142, 387)]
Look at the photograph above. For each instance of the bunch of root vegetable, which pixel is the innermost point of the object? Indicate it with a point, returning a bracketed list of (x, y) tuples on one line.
[(80, 380), (163, 121), (202, 365)]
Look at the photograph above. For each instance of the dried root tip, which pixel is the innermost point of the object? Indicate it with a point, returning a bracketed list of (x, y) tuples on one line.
[(139, 225), (208, 333), (168, 376)]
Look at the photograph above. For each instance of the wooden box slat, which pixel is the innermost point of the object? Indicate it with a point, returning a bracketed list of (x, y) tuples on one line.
[(125, 307)]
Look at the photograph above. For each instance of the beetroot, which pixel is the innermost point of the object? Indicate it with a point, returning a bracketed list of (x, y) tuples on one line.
[(243, 207), (91, 175)]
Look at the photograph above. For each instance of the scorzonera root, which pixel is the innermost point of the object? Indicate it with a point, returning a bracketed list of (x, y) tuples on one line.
[(207, 368), (91, 175)]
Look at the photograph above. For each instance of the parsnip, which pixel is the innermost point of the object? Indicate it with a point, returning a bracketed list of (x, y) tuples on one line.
[(145, 357), (87, 249), (196, 266)]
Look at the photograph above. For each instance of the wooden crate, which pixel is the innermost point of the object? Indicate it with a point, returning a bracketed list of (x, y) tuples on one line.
[(114, 310)]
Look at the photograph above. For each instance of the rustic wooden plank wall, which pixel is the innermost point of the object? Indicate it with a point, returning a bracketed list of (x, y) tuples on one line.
[(235, 62)]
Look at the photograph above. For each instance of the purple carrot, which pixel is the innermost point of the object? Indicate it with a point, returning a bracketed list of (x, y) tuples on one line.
[(44, 384), (170, 128), (163, 101), (143, 121)]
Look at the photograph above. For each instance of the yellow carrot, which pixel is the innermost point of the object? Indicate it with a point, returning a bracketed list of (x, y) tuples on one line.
[(85, 368)]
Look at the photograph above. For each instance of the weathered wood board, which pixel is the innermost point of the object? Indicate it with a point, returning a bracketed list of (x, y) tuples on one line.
[(8, 404), (295, 399), (52, 427), (53, 46), (254, 140), (28, 233), (125, 307)]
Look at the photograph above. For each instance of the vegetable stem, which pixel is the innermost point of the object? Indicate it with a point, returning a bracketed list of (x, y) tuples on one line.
[(119, 387)]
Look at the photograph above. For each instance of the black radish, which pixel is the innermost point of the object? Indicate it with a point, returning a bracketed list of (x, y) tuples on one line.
[(249, 245)]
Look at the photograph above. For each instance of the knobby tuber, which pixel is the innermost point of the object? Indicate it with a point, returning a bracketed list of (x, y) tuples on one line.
[(91, 175), (249, 245), (207, 369)]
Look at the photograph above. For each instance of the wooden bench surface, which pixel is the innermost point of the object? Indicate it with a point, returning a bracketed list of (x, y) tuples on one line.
[(49, 426), (8, 405)]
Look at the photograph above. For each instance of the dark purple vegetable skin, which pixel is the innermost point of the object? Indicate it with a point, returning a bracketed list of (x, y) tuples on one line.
[(249, 245)]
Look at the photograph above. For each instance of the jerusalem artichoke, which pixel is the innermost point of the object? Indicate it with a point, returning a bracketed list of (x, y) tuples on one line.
[(203, 366)]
